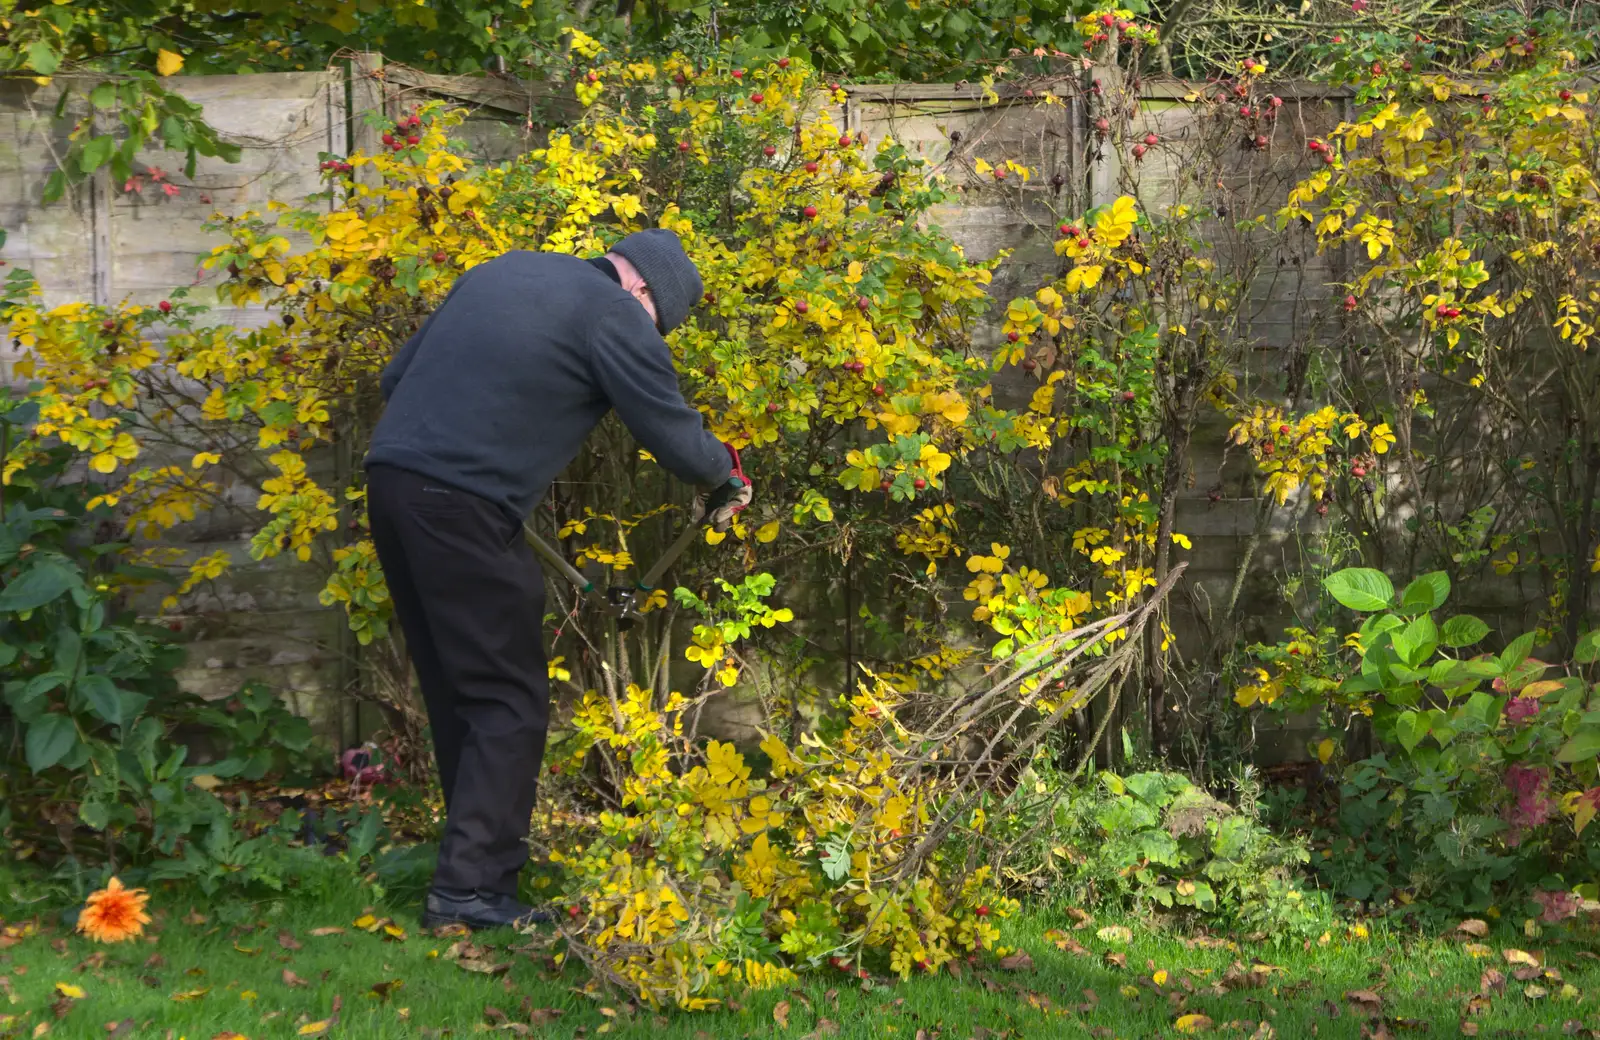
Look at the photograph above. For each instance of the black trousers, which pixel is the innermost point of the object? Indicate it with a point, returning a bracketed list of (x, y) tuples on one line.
[(470, 599)]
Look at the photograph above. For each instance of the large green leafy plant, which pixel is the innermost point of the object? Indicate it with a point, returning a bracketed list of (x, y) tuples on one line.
[(1485, 778), (89, 707)]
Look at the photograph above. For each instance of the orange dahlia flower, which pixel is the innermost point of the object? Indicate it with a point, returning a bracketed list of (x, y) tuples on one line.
[(114, 913)]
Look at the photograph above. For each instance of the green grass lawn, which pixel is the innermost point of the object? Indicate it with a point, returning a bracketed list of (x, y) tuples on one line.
[(258, 970)]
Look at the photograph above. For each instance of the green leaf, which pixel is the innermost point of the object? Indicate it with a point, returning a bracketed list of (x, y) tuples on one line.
[(836, 858), (1482, 708), (103, 697), (95, 813), (50, 738), (1410, 728), (43, 59), (55, 187), (1517, 652), (103, 95), (38, 585), (1360, 588), (1417, 642), (1584, 745), (1463, 630), (1426, 593), (1586, 652)]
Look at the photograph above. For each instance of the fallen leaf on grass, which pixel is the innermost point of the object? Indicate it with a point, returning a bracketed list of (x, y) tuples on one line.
[(320, 932), (291, 979), (382, 990), (154, 961), (1018, 961), (544, 1016), (1520, 957), (366, 922), (194, 917), (1469, 1029), (115, 1030), (1526, 973), (494, 1016), (1478, 950), (1118, 959), (1365, 998), (67, 989), (317, 1028), (780, 1014), (482, 966), (1192, 1024), (1535, 992), (1473, 927), (191, 994), (288, 941), (1066, 942), (1115, 933), (230, 1036), (454, 930), (1493, 980), (825, 1027)]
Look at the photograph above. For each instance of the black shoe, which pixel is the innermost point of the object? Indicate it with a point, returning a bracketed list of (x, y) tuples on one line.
[(477, 909)]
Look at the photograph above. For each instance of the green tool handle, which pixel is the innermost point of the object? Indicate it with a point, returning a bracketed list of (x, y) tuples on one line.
[(675, 550), (555, 559)]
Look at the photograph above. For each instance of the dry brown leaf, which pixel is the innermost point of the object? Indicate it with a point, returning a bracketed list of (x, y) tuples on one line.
[(291, 979), (382, 990), (1520, 957), (494, 1016), (1473, 927), (1493, 980), (780, 1014), (1364, 998), (333, 930), (1018, 961), (483, 966), (1469, 1029), (288, 941)]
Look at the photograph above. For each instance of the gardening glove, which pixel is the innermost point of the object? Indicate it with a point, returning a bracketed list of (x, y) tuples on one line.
[(720, 504)]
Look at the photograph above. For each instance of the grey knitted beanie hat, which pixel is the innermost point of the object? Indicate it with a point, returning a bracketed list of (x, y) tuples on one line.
[(674, 283)]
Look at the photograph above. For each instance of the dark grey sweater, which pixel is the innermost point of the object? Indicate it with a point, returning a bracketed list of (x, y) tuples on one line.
[(500, 387)]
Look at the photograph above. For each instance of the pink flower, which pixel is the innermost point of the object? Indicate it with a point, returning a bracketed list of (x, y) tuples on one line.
[(1531, 806), (157, 174), (134, 185), (1521, 709), (1358, 5), (170, 189), (1558, 906)]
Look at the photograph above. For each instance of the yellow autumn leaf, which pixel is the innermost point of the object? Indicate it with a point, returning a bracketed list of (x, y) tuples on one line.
[(1192, 1024), (317, 1028), (1160, 977), (68, 990), (168, 62), (767, 532)]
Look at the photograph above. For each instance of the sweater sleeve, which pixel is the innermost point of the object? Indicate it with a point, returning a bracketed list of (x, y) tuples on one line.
[(633, 367)]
